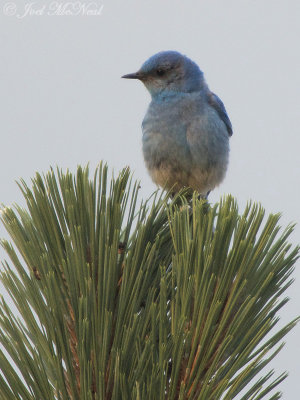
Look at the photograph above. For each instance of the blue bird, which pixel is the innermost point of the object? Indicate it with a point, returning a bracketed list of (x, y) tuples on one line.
[(186, 128)]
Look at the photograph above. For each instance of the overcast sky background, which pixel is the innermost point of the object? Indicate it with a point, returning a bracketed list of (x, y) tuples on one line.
[(63, 102)]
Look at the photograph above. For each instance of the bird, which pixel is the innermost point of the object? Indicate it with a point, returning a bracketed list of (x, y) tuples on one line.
[(186, 129)]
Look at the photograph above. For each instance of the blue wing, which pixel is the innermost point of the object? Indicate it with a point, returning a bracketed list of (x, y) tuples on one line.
[(215, 102)]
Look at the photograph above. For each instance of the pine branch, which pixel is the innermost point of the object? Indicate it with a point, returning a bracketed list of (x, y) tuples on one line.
[(116, 299)]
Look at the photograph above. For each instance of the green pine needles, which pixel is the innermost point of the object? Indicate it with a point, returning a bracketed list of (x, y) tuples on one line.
[(124, 300)]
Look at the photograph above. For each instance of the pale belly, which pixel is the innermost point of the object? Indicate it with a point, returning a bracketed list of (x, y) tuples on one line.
[(171, 166)]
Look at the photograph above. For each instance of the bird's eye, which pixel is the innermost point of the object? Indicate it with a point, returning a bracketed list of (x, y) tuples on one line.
[(160, 72)]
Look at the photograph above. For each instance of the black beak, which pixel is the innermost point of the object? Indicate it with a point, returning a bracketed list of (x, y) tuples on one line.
[(134, 75)]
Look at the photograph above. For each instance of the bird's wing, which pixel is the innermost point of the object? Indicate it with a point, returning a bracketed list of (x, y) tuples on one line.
[(215, 102)]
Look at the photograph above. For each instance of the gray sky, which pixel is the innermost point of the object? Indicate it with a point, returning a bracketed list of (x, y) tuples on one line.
[(63, 102)]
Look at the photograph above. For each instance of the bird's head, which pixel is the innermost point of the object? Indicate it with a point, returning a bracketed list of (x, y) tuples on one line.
[(169, 72)]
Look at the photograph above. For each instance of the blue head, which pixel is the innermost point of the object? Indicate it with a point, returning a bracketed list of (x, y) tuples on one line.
[(169, 72)]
